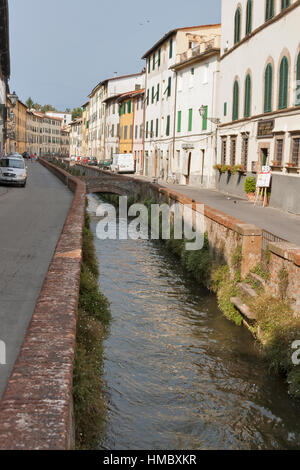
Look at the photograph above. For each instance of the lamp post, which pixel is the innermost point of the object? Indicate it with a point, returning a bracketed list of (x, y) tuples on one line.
[(216, 122), (13, 98)]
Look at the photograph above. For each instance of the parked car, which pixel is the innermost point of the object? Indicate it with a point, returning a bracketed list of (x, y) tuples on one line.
[(123, 163), (13, 171)]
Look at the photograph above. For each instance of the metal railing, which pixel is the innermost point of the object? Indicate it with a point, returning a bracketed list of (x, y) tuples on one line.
[(268, 237), (199, 49)]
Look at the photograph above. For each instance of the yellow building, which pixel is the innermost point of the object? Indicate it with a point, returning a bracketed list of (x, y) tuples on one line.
[(126, 112), (20, 112)]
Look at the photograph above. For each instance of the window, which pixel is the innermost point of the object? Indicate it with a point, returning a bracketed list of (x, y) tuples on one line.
[(147, 129), (237, 26), (159, 58), (168, 125), (224, 150), (151, 130), (154, 59), (136, 132), (131, 132), (171, 48), (152, 99), (235, 108), (233, 151), (295, 152), (247, 109), (298, 81), (156, 130), (268, 105), (169, 86), (283, 84), (269, 9), (149, 65), (225, 109), (179, 121), (285, 4), (190, 124), (279, 151), (204, 119), (157, 93), (249, 17), (129, 107), (148, 97), (245, 148)]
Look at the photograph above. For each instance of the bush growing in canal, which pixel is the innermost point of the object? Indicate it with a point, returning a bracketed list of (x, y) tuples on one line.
[(93, 317), (225, 288)]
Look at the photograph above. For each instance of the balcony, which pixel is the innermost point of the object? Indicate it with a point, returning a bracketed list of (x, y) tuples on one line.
[(203, 47)]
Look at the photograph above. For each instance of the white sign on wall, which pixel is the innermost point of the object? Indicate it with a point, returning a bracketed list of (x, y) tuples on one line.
[(264, 180)]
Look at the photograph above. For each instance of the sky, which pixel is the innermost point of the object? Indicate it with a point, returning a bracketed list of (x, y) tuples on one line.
[(61, 49)]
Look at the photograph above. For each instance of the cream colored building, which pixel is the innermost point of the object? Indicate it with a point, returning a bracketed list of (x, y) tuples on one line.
[(76, 138)]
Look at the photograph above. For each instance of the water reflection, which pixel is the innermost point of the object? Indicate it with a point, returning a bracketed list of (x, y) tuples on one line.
[(178, 374)]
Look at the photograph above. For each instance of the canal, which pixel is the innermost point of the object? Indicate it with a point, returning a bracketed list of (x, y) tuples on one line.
[(177, 374)]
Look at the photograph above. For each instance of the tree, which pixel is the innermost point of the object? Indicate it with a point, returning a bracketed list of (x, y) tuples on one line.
[(77, 113), (47, 108), (29, 103), (68, 110)]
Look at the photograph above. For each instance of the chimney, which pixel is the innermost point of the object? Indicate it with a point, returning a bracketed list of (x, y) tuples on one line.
[(115, 74)]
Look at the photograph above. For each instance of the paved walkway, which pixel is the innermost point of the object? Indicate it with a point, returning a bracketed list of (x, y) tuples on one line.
[(281, 224), (31, 221)]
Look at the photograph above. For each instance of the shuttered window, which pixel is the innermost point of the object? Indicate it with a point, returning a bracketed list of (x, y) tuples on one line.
[(159, 57), (157, 124), (154, 59), (298, 81), (204, 119), (285, 4), (237, 26), (283, 83), (171, 48), (190, 124), (157, 93), (247, 108), (179, 122), (268, 105), (169, 86), (249, 17), (151, 129), (168, 125), (153, 94), (235, 107), (269, 9), (149, 65)]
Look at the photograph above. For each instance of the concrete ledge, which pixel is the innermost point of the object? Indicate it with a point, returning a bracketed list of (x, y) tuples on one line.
[(36, 411), (285, 250), (248, 230)]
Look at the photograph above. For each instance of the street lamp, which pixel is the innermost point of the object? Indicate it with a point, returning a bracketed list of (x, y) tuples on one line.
[(202, 112), (13, 99)]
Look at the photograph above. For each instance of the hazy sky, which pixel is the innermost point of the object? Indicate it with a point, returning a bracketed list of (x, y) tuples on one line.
[(61, 49)]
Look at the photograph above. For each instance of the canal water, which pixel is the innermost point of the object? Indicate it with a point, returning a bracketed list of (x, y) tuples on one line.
[(177, 374)]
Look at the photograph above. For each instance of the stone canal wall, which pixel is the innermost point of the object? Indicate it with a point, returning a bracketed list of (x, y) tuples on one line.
[(36, 411)]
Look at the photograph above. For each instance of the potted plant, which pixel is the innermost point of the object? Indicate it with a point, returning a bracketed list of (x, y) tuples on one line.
[(250, 188), (218, 167), (275, 163), (290, 165), (225, 168), (237, 169)]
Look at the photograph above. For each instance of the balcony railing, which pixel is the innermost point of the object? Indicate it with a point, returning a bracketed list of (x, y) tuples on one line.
[(201, 48)]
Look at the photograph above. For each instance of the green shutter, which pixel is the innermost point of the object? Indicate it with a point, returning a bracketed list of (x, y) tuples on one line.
[(169, 86), (285, 4), (298, 82), (190, 126), (168, 126), (171, 48), (157, 93), (151, 130), (268, 89), (249, 17), (269, 9), (154, 58), (283, 83), (159, 57), (204, 119), (149, 65), (152, 98), (225, 109), (147, 129), (237, 26), (129, 107), (148, 97), (235, 109), (247, 104), (179, 122), (157, 123)]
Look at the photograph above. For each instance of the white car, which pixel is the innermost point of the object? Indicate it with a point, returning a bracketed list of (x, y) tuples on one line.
[(13, 171)]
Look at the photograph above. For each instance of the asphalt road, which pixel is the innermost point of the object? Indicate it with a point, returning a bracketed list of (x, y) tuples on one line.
[(31, 220)]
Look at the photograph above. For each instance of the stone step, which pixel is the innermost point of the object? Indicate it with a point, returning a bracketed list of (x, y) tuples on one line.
[(247, 289), (258, 279), (243, 308)]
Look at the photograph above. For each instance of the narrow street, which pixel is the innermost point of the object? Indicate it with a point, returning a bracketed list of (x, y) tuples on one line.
[(31, 222), (279, 223)]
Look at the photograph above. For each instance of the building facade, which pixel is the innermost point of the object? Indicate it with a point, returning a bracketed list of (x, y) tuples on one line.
[(85, 128), (4, 71), (64, 116), (161, 94), (259, 95), (76, 138), (20, 112), (138, 129), (99, 144)]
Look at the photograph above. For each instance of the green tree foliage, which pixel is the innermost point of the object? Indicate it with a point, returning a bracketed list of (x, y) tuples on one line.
[(77, 113)]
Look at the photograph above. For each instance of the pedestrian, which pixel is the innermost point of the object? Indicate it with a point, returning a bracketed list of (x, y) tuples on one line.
[(31, 157), (35, 157)]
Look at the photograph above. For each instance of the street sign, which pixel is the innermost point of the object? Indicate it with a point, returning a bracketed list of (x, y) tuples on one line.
[(264, 180)]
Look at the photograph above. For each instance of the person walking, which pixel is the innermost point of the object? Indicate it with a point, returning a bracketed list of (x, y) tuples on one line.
[(31, 157)]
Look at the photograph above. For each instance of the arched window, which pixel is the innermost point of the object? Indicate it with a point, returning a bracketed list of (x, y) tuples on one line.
[(298, 81), (249, 17), (269, 9), (285, 4), (283, 84), (247, 108), (268, 89), (235, 108), (237, 26)]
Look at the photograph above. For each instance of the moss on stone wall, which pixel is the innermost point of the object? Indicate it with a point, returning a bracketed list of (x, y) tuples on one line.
[(93, 319)]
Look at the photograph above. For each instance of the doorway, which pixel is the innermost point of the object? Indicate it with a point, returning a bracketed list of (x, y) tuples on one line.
[(264, 157), (188, 168)]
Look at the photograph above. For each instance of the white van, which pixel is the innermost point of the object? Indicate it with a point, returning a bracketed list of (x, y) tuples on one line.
[(123, 163), (13, 171)]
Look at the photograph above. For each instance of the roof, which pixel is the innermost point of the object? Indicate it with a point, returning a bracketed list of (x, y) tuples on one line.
[(174, 31), (121, 77), (129, 94), (37, 113), (4, 38)]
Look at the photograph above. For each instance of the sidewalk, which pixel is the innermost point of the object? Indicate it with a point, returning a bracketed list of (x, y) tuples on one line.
[(281, 224)]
